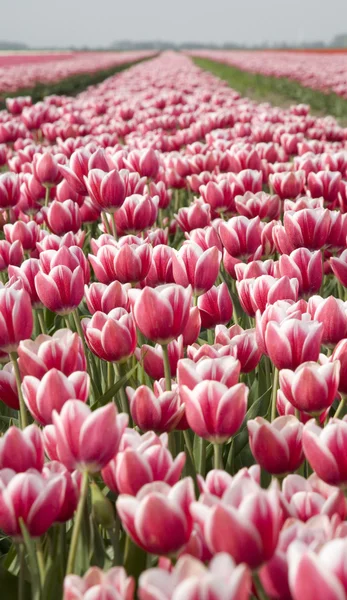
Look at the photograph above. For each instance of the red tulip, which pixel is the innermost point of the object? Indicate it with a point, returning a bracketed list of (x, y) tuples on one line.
[(158, 518), (8, 387), (75, 440)]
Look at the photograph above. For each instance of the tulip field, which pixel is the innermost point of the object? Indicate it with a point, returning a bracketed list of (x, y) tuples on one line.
[(173, 339)]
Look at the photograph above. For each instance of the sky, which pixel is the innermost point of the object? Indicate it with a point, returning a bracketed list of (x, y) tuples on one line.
[(42, 23)]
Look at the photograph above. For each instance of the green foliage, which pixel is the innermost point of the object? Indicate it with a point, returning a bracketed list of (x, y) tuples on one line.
[(277, 90)]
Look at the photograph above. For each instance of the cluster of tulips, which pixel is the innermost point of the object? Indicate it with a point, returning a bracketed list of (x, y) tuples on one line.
[(173, 337), (324, 71), (23, 71)]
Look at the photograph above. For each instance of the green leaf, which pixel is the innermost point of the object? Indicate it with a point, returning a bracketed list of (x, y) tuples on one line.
[(9, 586), (105, 398), (33, 563), (258, 408)]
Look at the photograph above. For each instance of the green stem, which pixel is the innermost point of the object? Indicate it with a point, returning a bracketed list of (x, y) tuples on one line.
[(210, 337), (218, 458), (114, 226), (40, 561), (167, 369), (188, 445), (77, 525), (123, 397), (259, 587), (114, 534), (340, 407), (47, 196), (22, 566), (85, 348), (41, 321), (202, 457), (106, 223), (274, 394), (22, 407)]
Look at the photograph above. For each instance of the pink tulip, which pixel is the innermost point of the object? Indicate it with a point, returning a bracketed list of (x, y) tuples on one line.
[(72, 488), (112, 337), (49, 394), (146, 162), (293, 342), (311, 388), (195, 216), (97, 585), (340, 354), (77, 169), (306, 266), (22, 450), (192, 580), (245, 522), (152, 358), (226, 370), (158, 518), (276, 446), (160, 271), (26, 233), (32, 498), (8, 387), (104, 298), (243, 345), (26, 274), (219, 196), (325, 450), (205, 238), (214, 411), (62, 351), (74, 438), (16, 318), (240, 236), (318, 576), (64, 216), (332, 313), (215, 306), (46, 168), (324, 184), (162, 313), (288, 185), (144, 460), (256, 294), (259, 205), (305, 498), (193, 266), (107, 190), (159, 410), (308, 228), (10, 254), (9, 190), (137, 213)]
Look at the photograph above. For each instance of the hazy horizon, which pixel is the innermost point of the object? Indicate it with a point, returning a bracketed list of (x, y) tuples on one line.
[(47, 23)]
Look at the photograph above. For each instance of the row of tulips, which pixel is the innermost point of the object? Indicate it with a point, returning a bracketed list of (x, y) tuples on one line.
[(321, 71), (173, 338), (24, 71)]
